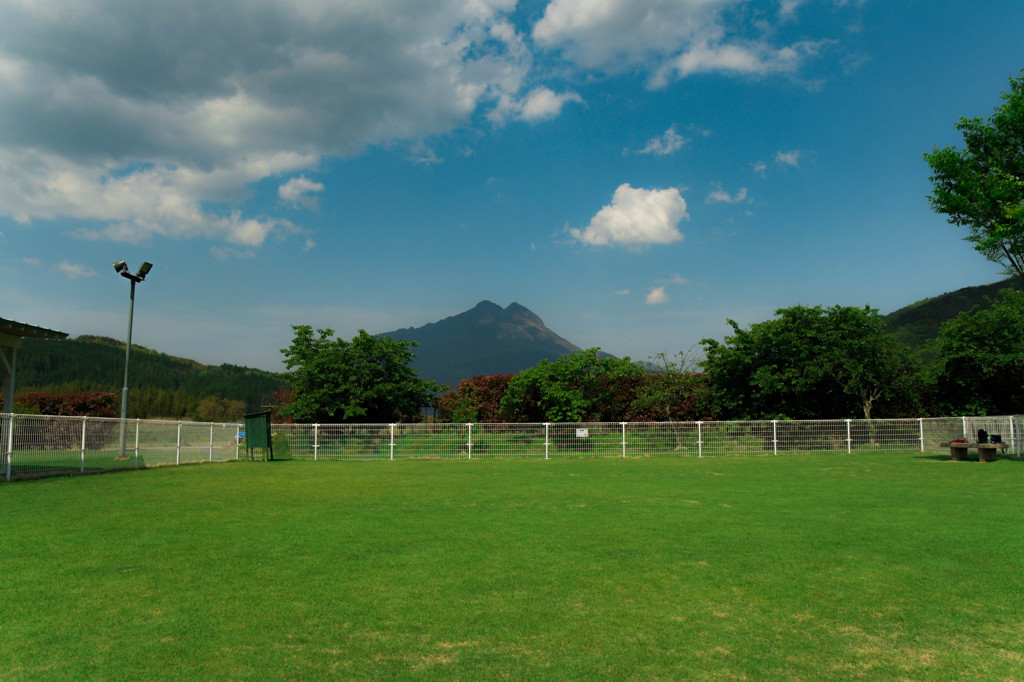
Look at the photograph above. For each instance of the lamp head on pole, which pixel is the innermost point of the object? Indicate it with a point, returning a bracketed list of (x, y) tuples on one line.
[(121, 268)]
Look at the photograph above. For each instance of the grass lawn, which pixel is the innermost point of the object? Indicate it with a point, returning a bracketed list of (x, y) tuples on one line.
[(879, 566)]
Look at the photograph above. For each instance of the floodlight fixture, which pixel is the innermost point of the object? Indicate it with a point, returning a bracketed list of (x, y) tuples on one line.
[(121, 268)]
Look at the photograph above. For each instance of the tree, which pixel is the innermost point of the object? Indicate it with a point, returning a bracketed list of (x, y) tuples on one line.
[(367, 379), (981, 358), (811, 363), (95, 404), (214, 409), (675, 391), (474, 400), (574, 388), (981, 187)]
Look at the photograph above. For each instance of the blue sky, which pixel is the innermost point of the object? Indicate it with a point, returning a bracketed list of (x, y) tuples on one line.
[(633, 171)]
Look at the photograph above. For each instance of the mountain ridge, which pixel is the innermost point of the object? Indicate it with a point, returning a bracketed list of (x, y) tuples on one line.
[(486, 339), (96, 363), (917, 325)]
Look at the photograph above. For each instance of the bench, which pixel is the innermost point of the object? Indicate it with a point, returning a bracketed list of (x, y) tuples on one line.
[(987, 452)]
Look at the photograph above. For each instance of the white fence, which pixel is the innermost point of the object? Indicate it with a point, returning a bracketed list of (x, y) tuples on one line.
[(39, 445), (34, 445), (629, 439)]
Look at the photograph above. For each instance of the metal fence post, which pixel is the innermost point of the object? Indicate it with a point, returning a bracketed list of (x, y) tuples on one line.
[(1013, 435), (177, 448), (211, 441), (84, 421), (9, 445), (775, 437), (547, 426), (138, 424), (849, 438), (392, 441), (316, 440), (920, 428), (963, 420), (469, 441), (700, 442), (623, 439)]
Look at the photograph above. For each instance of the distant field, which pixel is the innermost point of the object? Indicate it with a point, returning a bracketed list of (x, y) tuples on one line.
[(867, 566)]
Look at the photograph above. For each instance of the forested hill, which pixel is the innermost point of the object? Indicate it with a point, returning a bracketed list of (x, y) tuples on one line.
[(93, 363), (917, 325)]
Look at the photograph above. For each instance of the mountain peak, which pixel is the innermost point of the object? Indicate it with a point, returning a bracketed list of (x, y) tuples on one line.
[(524, 314), (486, 339)]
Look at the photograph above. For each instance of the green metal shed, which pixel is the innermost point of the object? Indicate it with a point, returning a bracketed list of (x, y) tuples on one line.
[(258, 443)]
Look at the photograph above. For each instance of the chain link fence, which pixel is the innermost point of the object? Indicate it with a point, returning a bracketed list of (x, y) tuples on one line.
[(34, 445)]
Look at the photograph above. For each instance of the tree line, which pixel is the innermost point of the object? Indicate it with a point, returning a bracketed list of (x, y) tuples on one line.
[(804, 363), (161, 386), (145, 403)]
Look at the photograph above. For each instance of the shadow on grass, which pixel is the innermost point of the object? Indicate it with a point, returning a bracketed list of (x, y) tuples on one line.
[(30, 472), (970, 458)]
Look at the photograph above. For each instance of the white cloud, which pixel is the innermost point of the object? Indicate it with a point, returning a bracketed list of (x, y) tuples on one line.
[(34, 262), (297, 192), (719, 195), (760, 168), (309, 245), (787, 8), (74, 271), (670, 39), (161, 133), (146, 201), (540, 104), (636, 218), (667, 143), (622, 292), (752, 59), (677, 279), (614, 34), (788, 158), (223, 96), (656, 296)]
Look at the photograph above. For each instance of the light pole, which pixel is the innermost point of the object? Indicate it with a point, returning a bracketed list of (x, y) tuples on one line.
[(122, 268)]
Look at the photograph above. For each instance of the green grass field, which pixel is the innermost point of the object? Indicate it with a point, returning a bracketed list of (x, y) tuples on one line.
[(880, 566)]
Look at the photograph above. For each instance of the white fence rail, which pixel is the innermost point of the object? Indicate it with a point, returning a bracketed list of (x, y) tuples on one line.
[(34, 445), (630, 439), (40, 445)]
